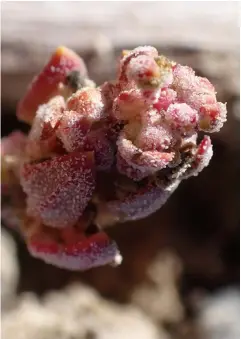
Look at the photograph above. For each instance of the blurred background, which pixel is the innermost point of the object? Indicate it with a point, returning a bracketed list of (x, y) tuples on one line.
[(180, 275)]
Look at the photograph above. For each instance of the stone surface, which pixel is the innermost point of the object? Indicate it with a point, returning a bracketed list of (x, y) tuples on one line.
[(159, 298), (76, 313), (9, 271), (219, 314)]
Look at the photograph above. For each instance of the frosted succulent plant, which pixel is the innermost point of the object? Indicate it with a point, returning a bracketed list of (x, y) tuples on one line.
[(96, 156)]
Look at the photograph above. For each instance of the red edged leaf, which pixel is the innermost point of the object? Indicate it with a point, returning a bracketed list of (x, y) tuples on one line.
[(128, 57), (212, 117), (201, 158), (166, 97), (46, 84), (82, 254)]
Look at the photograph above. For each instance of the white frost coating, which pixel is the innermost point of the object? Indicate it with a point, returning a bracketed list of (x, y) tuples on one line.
[(147, 162), (181, 117), (72, 130), (46, 113), (154, 138), (141, 205), (87, 101), (201, 159), (204, 159), (222, 117), (59, 189)]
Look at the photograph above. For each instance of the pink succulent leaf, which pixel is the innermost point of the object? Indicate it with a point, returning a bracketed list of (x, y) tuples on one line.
[(42, 137), (167, 96), (201, 158), (212, 117), (194, 91), (88, 252), (48, 82), (141, 204), (152, 117), (155, 138), (181, 118), (145, 161), (88, 102), (128, 56), (72, 130), (85, 108), (143, 70), (129, 104), (59, 189)]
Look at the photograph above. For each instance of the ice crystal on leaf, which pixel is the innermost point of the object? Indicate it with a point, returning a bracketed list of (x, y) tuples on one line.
[(95, 156)]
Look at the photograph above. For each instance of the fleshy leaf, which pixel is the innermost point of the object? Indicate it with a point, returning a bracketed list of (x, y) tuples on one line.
[(81, 254), (148, 162), (42, 139), (212, 117), (72, 130), (59, 189), (201, 158), (136, 205), (181, 118), (88, 102), (46, 84)]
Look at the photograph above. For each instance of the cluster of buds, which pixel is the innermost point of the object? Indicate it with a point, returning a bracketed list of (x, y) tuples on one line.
[(98, 155)]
